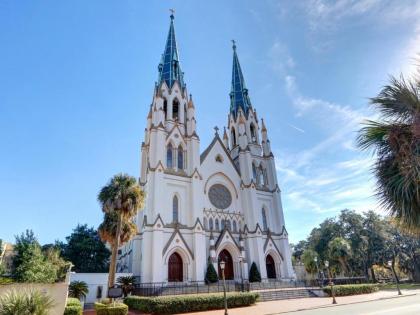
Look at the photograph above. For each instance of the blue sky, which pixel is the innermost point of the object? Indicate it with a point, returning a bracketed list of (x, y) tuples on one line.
[(76, 81)]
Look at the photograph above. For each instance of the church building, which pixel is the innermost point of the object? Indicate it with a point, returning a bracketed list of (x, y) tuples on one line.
[(223, 204)]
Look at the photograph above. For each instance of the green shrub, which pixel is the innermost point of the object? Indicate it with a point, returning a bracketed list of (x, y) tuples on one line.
[(352, 289), (73, 307), (254, 274), (211, 274), (189, 303), (5, 280), (111, 309), (73, 302), (25, 302)]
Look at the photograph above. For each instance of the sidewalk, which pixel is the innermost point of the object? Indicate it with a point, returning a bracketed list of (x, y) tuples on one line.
[(293, 305)]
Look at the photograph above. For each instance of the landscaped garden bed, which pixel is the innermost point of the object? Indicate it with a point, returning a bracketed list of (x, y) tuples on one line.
[(73, 307), (352, 289), (189, 303)]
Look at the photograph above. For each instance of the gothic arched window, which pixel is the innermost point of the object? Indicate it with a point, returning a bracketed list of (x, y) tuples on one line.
[(235, 229), (169, 156), (217, 225), (264, 219), (233, 133), (228, 225), (211, 224), (175, 109), (205, 223), (254, 172), (175, 209), (222, 224), (165, 108), (261, 180), (180, 158), (253, 134)]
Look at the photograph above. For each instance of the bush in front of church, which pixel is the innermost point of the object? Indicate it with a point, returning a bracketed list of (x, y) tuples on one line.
[(111, 309), (189, 303), (211, 274), (254, 274), (352, 289)]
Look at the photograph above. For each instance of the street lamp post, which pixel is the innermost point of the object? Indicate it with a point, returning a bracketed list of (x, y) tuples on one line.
[(222, 267), (395, 277), (331, 284), (241, 261)]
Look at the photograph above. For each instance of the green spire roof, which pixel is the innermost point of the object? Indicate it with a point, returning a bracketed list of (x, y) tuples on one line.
[(169, 67), (239, 93)]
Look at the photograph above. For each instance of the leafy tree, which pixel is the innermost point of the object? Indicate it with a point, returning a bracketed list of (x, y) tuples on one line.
[(127, 283), (78, 289), (35, 267), (85, 250), (211, 274), (340, 250), (308, 259), (122, 196), (320, 237), (395, 141), (62, 266), (24, 242), (298, 249), (254, 274)]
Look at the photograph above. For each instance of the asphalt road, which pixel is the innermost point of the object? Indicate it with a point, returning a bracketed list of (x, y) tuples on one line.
[(405, 305)]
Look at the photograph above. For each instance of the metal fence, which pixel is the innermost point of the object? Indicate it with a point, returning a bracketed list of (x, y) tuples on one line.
[(178, 288), (198, 287)]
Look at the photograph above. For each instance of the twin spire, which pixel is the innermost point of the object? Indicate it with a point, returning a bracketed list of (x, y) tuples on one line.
[(170, 71), (169, 67)]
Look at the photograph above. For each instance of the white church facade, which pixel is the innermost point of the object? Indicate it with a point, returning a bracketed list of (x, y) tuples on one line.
[(223, 204)]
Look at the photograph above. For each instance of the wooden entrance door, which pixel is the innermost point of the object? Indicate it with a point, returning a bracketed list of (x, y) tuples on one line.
[(227, 258), (271, 267), (175, 268)]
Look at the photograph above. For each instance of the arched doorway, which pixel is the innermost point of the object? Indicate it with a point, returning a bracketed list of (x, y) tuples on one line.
[(227, 258), (175, 272), (271, 267)]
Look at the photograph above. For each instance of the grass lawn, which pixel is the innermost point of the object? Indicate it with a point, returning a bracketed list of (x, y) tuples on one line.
[(403, 286)]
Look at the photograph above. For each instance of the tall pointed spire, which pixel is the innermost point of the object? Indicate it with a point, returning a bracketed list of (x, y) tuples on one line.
[(169, 67), (239, 93)]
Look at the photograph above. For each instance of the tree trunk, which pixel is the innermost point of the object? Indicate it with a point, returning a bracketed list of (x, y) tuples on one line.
[(373, 274), (113, 262), (416, 272)]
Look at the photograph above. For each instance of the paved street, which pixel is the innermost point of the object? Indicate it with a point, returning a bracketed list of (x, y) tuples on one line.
[(407, 305)]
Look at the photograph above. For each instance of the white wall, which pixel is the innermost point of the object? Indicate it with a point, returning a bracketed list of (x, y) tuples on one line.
[(94, 280)]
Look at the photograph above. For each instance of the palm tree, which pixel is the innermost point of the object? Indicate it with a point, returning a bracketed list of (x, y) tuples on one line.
[(78, 289), (122, 196), (395, 139), (127, 284), (340, 250)]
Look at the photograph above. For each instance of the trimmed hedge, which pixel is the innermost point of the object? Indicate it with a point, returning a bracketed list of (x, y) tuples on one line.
[(111, 309), (73, 307), (352, 289), (189, 303)]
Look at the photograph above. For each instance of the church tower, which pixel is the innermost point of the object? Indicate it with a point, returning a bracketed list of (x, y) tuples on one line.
[(249, 147), (170, 160)]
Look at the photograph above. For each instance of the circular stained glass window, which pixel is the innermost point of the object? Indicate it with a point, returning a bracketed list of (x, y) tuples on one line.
[(220, 196)]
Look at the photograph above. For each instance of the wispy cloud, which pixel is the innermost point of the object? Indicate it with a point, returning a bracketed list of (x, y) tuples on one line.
[(296, 128)]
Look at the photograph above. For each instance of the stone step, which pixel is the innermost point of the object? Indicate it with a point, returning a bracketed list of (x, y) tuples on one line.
[(283, 294)]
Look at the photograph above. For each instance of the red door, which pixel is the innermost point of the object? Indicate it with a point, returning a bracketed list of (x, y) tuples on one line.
[(271, 267), (175, 272), (227, 258)]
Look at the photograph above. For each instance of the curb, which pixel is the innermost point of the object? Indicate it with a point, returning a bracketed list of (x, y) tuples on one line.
[(334, 305)]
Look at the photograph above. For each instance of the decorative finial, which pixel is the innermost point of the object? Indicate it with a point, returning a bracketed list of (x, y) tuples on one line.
[(216, 129), (172, 13), (233, 44)]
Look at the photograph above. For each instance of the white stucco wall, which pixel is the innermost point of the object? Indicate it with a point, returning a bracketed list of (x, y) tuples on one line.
[(95, 280)]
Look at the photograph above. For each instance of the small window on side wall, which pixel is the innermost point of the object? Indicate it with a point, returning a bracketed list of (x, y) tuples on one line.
[(219, 158)]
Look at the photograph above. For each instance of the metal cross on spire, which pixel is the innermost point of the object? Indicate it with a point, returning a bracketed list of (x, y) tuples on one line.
[(233, 44), (216, 129), (172, 13)]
